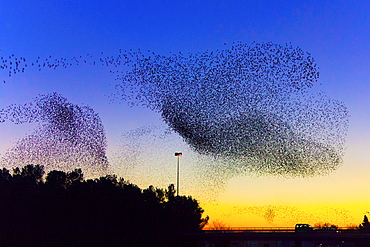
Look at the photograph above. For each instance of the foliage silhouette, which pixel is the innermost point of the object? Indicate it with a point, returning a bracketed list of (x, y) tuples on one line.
[(67, 210), (365, 225)]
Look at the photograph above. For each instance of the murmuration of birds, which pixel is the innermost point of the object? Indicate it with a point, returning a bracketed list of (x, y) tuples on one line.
[(290, 215), (67, 135), (249, 105)]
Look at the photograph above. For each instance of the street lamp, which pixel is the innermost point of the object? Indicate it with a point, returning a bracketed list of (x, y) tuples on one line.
[(178, 171)]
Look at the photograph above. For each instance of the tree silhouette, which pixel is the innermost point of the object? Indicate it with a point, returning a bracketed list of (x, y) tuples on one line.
[(4, 175), (67, 210), (365, 225), (219, 225), (56, 179), (34, 172), (75, 176)]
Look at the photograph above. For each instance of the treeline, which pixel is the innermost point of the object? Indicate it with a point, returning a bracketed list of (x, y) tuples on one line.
[(64, 209)]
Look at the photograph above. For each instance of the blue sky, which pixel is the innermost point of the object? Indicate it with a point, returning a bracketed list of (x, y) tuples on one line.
[(335, 33)]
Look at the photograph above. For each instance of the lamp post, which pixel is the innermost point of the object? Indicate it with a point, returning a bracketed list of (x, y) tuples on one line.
[(178, 171)]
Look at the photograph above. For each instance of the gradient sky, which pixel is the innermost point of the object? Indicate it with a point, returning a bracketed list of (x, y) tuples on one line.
[(336, 33)]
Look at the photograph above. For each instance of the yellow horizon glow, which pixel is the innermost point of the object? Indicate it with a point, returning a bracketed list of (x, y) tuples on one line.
[(340, 198), (342, 215)]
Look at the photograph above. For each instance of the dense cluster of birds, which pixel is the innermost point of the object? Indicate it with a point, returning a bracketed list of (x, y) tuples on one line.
[(67, 135), (249, 105)]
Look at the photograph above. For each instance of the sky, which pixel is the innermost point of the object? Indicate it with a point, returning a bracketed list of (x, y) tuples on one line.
[(336, 34)]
